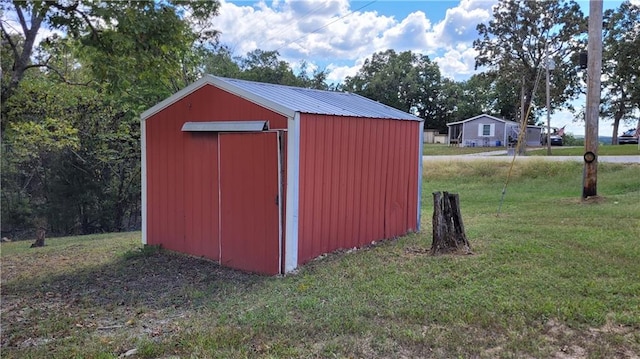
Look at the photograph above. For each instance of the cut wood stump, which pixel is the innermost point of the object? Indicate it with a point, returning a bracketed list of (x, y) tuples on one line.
[(40, 236), (448, 229), (41, 232)]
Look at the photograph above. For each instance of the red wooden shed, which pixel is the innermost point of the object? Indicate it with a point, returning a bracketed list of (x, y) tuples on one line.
[(264, 177)]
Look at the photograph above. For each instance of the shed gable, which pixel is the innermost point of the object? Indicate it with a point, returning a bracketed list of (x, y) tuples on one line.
[(211, 104)]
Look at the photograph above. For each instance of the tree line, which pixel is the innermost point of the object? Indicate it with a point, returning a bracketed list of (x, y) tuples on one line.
[(70, 104)]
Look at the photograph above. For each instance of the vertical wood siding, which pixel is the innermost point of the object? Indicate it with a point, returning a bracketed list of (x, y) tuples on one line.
[(358, 182), (182, 169)]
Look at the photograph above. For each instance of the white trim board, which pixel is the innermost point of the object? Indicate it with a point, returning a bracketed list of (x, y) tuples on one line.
[(293, 194)]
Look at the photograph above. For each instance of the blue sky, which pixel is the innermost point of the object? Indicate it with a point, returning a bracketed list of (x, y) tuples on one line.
[(338, 35)]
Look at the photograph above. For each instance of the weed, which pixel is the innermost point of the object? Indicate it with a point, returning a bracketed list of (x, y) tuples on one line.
[(146, 250)]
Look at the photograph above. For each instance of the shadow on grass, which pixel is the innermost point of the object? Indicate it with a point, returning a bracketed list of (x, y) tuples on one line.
[(155, 279)]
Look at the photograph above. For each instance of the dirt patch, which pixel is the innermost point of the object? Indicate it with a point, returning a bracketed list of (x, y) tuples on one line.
[(138, 294), (578, 344), (585, 201)]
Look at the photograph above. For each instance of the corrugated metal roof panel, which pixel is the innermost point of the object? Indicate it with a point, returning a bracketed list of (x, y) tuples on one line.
[(287, 100), (315, 101)]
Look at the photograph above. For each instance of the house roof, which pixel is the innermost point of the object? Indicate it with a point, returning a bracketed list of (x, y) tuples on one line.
[(491, 117), (287, 100), (477, 117)]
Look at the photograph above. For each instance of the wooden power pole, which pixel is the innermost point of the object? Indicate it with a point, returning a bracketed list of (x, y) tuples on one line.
[(594, 71)]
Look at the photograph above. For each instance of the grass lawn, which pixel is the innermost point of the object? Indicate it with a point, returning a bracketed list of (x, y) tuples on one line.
[(603, 150), (551, 276), (430, 149)]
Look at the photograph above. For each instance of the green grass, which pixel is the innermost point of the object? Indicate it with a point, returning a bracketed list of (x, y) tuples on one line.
[(430, 149), (603, 150), (551, 276)]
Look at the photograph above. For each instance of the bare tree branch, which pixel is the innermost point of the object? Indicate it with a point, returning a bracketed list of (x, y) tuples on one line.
[(57, 72), (23, 22), (14, 46), (21, 61)]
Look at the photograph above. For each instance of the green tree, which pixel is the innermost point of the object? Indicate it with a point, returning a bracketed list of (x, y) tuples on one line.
[(219, 61), (482, 94), (515, 44), (32, 146), (621, 64), (318, 80), (266, 66), (149, 53), (261, 66), (406, 81), (151, 26), (129, 56), (450, 102)]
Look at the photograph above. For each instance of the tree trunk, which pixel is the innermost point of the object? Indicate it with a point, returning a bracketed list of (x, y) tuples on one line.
[(448, 229), (21, 57), (616, 122)]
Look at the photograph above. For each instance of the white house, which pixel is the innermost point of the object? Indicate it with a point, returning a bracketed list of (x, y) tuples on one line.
[(489, 131)]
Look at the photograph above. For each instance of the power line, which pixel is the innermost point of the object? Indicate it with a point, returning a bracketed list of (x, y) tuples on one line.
[(327, 24), (304, 16)]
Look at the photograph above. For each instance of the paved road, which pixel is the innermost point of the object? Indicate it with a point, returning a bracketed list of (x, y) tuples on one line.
[(501, 156)]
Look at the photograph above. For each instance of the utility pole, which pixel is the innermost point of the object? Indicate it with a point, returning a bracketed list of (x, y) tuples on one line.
[(549, 65), (594, 71)]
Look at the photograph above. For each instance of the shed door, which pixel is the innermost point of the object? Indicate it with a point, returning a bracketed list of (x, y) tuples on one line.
[(249, 201)]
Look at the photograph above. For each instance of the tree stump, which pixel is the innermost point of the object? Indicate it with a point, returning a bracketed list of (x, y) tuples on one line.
[(448, 229), (41, 232)]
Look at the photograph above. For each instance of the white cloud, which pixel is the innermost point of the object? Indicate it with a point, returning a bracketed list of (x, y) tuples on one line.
[(457, 64), (409, 34), (296, 28), (459, 24), (335, 32), (337, 74)]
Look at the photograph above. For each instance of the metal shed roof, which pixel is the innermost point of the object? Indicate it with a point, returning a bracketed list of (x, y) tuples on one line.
[(288, 100)]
